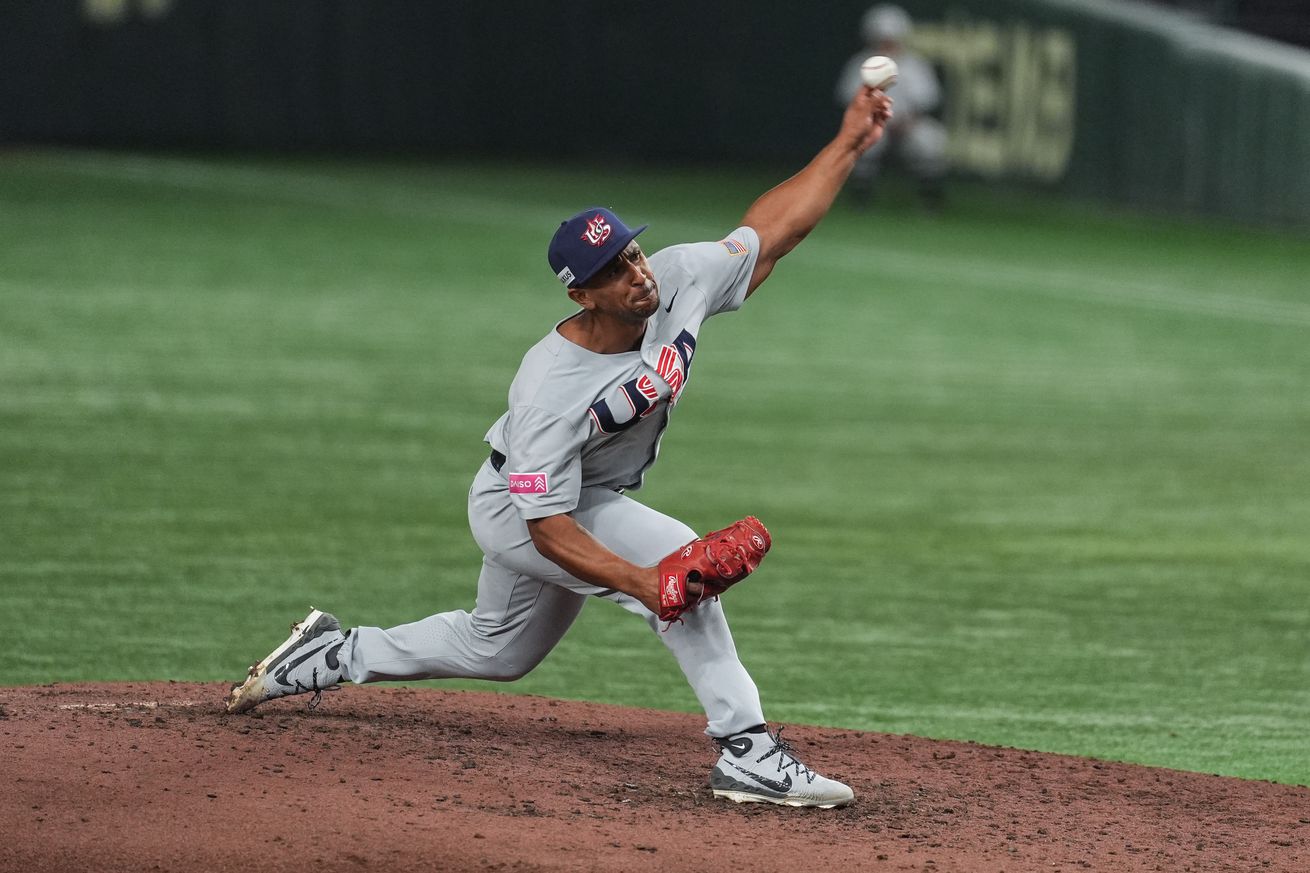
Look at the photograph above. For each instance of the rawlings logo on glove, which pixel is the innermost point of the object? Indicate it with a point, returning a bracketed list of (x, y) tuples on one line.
[(717, 561)]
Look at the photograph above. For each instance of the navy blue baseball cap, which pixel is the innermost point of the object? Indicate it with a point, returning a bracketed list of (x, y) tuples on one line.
[(586, 242)]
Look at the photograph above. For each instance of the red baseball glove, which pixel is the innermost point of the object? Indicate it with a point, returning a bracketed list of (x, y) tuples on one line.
[(717, 561)]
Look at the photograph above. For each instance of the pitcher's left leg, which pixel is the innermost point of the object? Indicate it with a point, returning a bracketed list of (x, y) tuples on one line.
[(754, 765), (702, 644), (703, 647)]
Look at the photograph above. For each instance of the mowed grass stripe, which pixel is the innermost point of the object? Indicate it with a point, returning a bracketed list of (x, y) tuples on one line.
[(311, 187)]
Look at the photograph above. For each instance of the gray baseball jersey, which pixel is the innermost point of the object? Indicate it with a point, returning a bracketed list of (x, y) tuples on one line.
[(579, 419)]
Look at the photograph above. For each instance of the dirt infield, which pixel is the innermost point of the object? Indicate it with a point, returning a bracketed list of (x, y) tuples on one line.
[(153, 777)]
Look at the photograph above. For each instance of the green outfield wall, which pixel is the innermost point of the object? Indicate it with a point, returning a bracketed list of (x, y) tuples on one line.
[(1098, 98), (1125, 102)]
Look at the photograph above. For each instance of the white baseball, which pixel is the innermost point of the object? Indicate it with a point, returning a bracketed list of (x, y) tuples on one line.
[(878, 72)]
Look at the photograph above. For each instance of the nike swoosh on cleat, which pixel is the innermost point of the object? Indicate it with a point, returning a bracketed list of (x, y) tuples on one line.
[(737, 747), (780, 787), (331, 657), (280, 674)]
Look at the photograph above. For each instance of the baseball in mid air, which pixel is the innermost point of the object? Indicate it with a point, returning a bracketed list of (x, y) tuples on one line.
[(878, 72)]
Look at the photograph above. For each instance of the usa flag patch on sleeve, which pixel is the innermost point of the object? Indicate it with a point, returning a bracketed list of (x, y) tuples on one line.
[(734, 248)]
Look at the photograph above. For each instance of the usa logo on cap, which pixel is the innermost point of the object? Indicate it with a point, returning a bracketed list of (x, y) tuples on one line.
[(585, 242), (598, 230)]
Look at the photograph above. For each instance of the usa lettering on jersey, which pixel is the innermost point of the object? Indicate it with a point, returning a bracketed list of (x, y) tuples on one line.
[(639, 397), (646, 385), (672, 369)]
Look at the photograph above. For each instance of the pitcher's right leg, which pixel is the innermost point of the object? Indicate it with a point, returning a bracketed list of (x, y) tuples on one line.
[(517, 621)]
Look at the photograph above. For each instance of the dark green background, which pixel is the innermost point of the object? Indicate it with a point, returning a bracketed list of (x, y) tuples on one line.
[(1170, 114)]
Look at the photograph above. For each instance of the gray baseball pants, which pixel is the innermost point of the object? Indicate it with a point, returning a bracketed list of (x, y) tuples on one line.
[(526, 604)]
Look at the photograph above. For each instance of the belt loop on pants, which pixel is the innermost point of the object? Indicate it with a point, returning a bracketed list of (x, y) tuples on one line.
[(497, 460)]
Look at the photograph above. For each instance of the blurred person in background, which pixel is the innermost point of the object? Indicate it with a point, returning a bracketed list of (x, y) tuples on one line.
[(915, 138)]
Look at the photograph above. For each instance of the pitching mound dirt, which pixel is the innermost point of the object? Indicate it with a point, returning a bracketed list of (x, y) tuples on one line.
[(154, 777)]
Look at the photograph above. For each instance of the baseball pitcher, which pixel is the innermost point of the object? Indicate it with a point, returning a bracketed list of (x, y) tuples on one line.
[(550, 507)]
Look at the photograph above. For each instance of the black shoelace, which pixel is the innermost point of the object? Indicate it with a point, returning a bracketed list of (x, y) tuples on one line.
[(314, 687), (786, 760)]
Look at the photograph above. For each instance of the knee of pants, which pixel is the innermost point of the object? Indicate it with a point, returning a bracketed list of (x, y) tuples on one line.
[(499, 669)]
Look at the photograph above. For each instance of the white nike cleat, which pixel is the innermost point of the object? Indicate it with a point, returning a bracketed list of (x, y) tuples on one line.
[(306, 662), (760, 768)]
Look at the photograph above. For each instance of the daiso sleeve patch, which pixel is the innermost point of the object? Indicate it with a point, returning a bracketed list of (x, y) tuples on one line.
[(529, 483)]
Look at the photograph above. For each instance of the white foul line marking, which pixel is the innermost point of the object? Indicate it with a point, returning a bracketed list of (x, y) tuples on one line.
[(135, 704)]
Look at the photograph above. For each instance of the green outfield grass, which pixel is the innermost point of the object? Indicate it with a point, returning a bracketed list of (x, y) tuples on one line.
[(1038, 475)]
